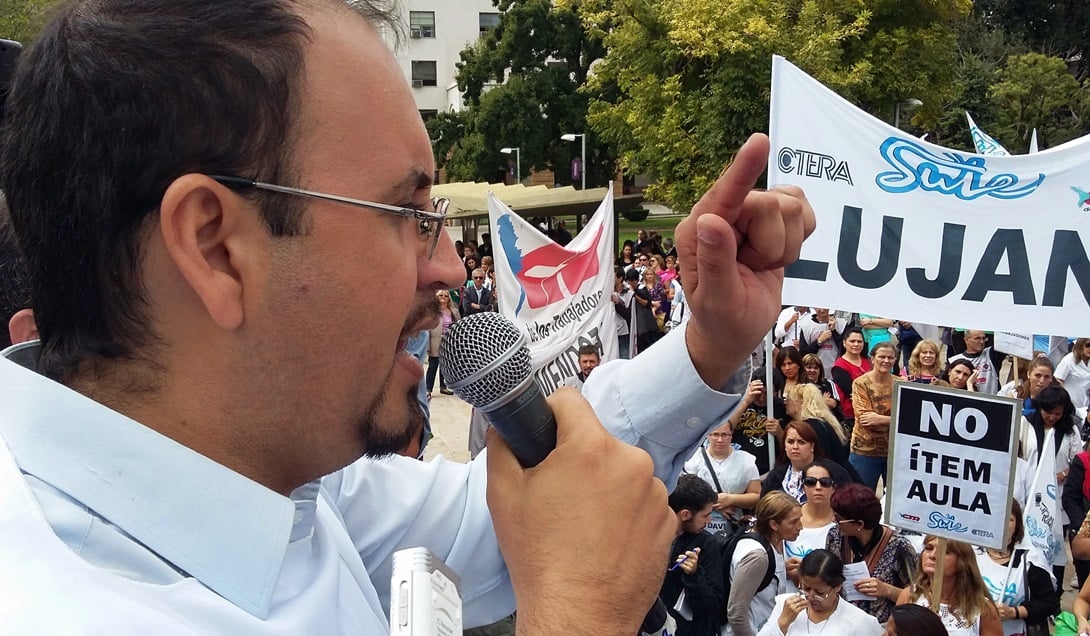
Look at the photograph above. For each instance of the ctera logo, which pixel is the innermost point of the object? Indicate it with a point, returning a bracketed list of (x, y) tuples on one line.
[(912, 518), (807, 163), (1084, 198), (916, 167), (545, 273)]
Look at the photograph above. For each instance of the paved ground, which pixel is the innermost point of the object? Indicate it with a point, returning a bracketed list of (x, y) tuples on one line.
[(450, 425)]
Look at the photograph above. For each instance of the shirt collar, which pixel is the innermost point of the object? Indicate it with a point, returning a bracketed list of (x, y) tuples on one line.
[(227, 531)]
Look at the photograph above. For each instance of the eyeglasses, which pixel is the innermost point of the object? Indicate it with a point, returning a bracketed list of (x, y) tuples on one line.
[(826, 482), (805, 591), (478, 278), (846, 521), (719, 435), (431, 223)]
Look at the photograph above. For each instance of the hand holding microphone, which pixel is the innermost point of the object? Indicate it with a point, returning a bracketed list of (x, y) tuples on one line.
[(556, 523)]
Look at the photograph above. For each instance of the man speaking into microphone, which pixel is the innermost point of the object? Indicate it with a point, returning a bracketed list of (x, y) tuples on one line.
[(190, 182)]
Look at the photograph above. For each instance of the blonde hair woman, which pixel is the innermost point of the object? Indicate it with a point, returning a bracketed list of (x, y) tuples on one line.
[(923, 365), (805, 402), (966, 608)]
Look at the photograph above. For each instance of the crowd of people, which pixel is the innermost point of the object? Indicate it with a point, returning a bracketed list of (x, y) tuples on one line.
[(827, 420)]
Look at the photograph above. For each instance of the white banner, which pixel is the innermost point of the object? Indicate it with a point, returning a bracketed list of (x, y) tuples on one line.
[(1017, 344), (1042, 514), (914, 231), (984, 143), (560, 296), (951, 463)]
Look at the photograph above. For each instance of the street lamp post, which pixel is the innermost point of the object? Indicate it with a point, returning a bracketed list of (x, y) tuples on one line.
[(582, 155), (518, 162), (910, 105)]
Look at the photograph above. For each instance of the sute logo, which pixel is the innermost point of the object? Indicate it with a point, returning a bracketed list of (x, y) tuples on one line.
[(912, 518), (916, 167), (939, 521), (807, 163)]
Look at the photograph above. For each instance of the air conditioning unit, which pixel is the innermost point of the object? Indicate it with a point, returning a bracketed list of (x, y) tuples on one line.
[(414, 32), (418, 83)]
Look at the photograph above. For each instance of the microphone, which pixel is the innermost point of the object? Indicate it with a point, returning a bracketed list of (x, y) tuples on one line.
[(485, 361)]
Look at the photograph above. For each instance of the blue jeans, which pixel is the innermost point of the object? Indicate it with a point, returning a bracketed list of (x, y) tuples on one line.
[(869, 468)]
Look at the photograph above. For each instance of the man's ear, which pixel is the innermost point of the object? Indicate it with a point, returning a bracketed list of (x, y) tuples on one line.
[(684, 515), (22, 327), (207, 231)]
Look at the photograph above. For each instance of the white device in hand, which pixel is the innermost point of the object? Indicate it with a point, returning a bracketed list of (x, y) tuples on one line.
[(424, 597)]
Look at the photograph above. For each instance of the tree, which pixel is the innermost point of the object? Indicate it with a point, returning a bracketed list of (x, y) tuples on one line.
[(521, 82), (21, 20), (1057, 29), (1038, 91), (693, 75)]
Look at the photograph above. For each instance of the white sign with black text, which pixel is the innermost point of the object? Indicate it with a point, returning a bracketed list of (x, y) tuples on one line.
[(951, 463)]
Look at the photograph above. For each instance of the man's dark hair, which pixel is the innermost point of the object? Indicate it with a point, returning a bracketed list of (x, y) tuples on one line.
[(589, 350), (691, 493), (14, 280), (115, 100)]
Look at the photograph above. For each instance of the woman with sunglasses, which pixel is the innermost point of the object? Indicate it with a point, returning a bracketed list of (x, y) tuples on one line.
[(817, 514), (818, 608), (965, 607), (858, 537)]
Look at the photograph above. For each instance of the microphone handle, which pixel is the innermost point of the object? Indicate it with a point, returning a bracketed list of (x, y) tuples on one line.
[(527, 424)]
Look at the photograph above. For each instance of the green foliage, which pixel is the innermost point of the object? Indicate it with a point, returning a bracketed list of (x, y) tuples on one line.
[(21, 20), (1037, 91), (521, 82), (693, 75)]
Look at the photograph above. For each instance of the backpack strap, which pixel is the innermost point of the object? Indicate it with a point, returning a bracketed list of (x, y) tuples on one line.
[(876, 553), (771, 570), (708, 463)]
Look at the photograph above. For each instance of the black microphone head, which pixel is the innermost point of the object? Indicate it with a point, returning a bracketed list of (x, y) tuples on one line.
[(484, 359)]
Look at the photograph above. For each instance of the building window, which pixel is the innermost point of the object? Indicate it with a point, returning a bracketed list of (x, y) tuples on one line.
[(421, 24), (428, 115), (424, 73), (488, 21)]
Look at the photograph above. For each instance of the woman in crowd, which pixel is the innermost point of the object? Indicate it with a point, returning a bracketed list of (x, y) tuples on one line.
[(804, 402), (1052, 410), (642, 326), (872, 399), (733, 474), (965, 607), (818, 607), (923, 364), (665, 273), (801, 448), (814, 373), (961, 374), (626, 258), (851, 364), (1022, 590), (817, 514), (657, 291), (448, 313), (1038, 376), (789, 363), (471, 264), (1074, 371), (488, 265), (859, 538), (749, 604), (913, 620)]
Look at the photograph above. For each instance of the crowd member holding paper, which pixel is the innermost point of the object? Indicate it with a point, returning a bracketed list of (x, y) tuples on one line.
[(818, 606), (880, 562), (965, 607), (1019, 580)]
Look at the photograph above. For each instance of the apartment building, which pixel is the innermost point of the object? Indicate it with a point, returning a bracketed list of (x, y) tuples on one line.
[(437, 31)]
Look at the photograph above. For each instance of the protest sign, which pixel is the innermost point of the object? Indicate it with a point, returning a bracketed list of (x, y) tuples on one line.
[(951, 463)]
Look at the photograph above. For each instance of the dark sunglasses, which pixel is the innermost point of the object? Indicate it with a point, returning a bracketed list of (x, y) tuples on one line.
[(826, 482)]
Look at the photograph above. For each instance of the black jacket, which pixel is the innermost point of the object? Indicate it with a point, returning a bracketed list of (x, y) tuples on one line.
[(703, 588)]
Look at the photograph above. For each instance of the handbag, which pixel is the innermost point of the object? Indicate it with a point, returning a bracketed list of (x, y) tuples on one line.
[(1066, 625)]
